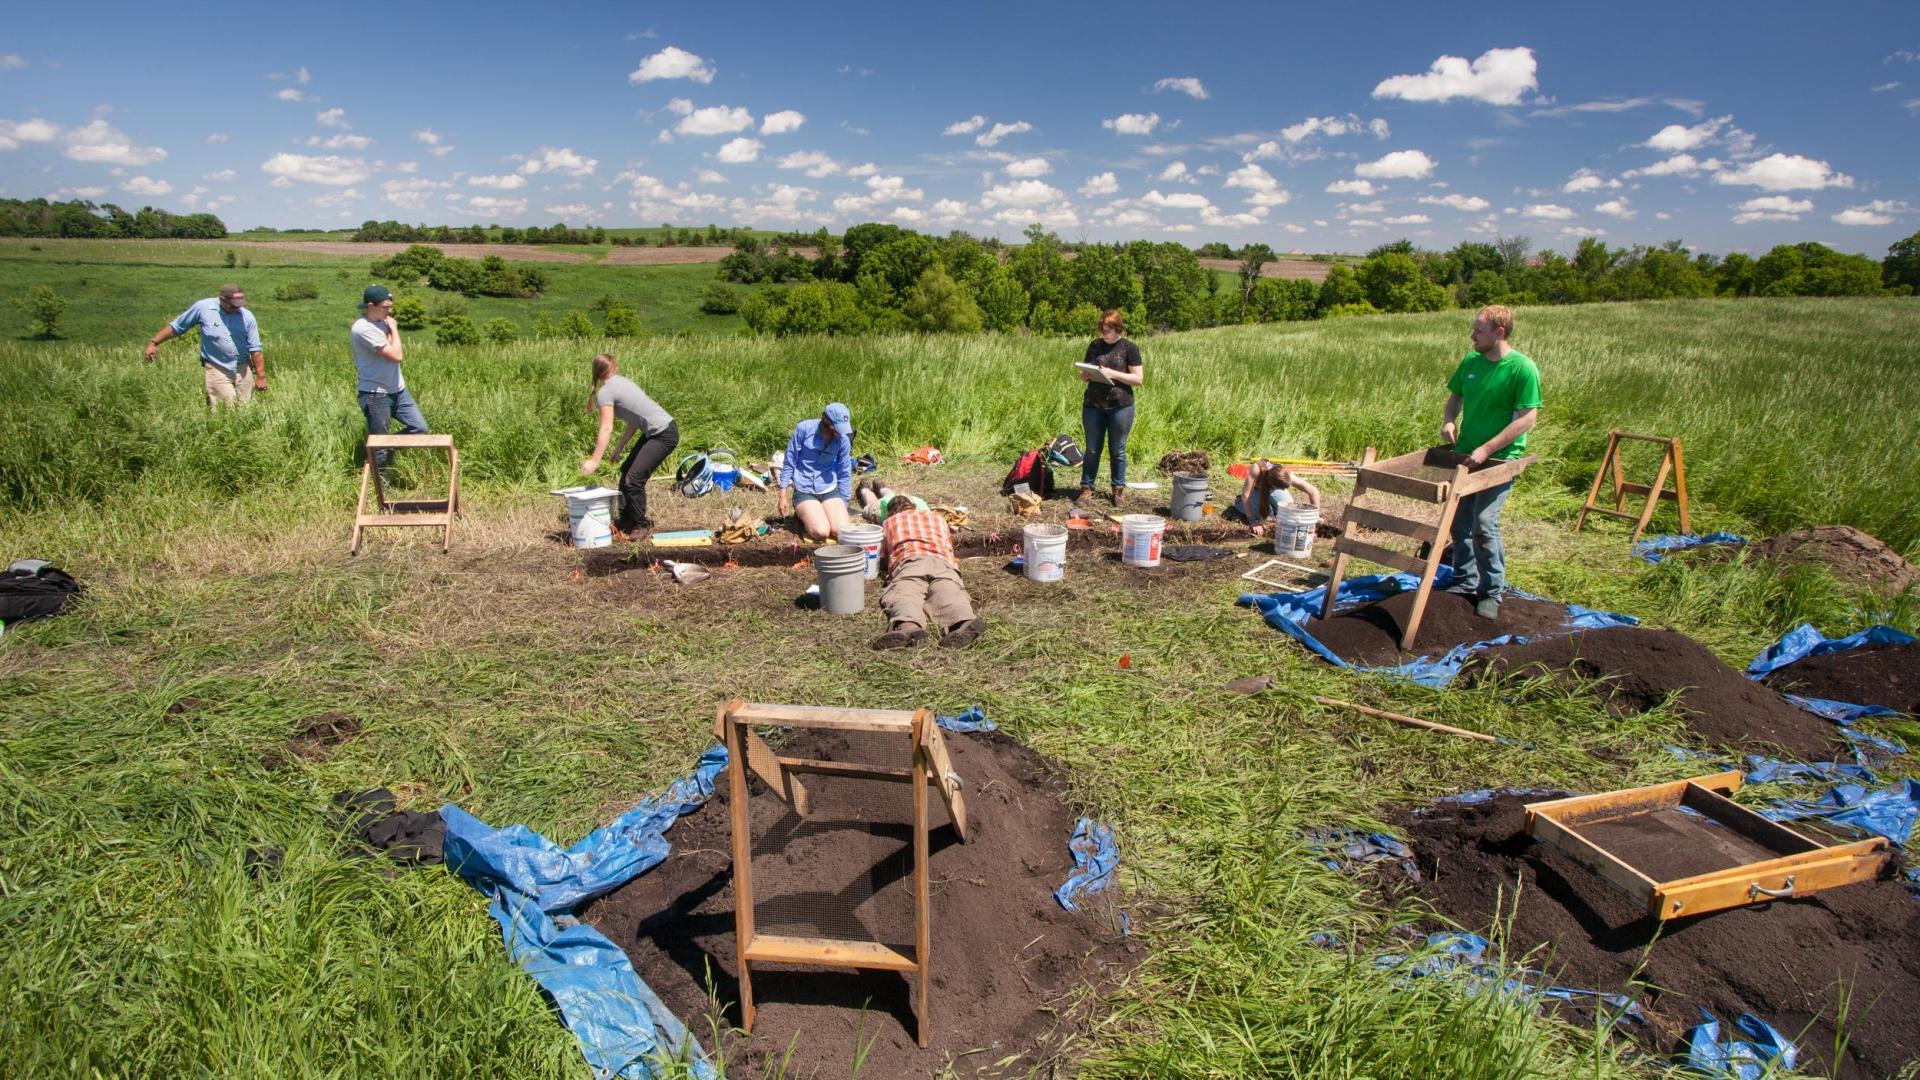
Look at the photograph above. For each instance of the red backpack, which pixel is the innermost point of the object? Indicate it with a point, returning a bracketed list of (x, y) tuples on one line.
[(1032, 470)]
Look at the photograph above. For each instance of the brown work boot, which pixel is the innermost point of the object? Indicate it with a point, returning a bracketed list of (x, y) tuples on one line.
[(962, 636), (1119, 494), (1086, 492), (899, 639)]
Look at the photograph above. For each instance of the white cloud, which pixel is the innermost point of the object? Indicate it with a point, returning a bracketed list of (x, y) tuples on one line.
[(1677, 165), (1207, 170), (950, 208), (332, 118), (563, 162), (1885, 86), (101, 143), (338, 142), (739, 151), (1662, 215), (1026, 168), (1498, 77), (326, 169), (1266, 191), (779, 123), (1179, 200), (146, 186), (1185, 84), (411, 194), (1407, 219), (709, 176), (436, 143), (1103, 184), (302, 76), (333, 199), (15, 132), (814, 162), (1877, 212), (712, 120), (14, 60), (290, 94), (1374, 207), (1771, 208), (494, 206), (508, 182), (1362, 188), (88, 192), (216, 138), (1586, 180), (1378, 128), (1324, 125), (892, 188), (222, 174), (1547, 212), (868, 169), (1469, 203), (1581, 230), (993, 135), (672, 62), (1616, 208), (1132, 123), (1022, 193), (570, 210), (1399, 165), (1175, 170), (1676, 137), (1785, 172), (966, 127)]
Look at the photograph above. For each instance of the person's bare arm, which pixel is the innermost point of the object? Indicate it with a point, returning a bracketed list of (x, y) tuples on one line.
[(1133, 376), (1312, 493), (1522, 422), (259, 362), (1449, 433), (600, 442), (153, 344)]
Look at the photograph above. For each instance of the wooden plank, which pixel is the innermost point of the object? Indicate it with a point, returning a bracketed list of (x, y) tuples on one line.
[(940, 763), (1599, 476), (360, 510), (827, 952), (1680, 486), (1659, 482), (1784, 862), (396, 442), (1411, 459), (1769, 834), (1578, 808), (402, 521), (922, 901), (1410, 487), (1493, 474), (1642, 438), (1641, 489), (742, 858), (1368, 518), (847, 768), (1632, 882), (768, 767), (1623, 515), (813, 716), (1332, 589), (1431, 567), (1718, 894), (1360, 549)]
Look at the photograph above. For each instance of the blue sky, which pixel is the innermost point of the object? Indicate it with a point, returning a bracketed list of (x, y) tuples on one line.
[(1312, 127)]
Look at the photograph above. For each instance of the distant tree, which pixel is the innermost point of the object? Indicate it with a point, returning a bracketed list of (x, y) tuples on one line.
[(457, 330), (720, 299), (622, 322), (1003, 303), (1040, 267), (576, 324), (229, 259), (501, 331), (1103, 275), (1340, 288), (888, 271), (860, 239), (937, 304), (823, 307), (409, 312), (1902, 264), (1392, 281), (1283, 299), (1252, 258), (1513, 252), (43, 308), (544, 328), (446, 307)]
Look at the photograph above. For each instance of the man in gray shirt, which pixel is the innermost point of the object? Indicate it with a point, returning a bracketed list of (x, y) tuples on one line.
[(377, 354)]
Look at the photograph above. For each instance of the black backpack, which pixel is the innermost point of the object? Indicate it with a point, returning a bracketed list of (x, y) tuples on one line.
[(1064, 451), (30, 589)]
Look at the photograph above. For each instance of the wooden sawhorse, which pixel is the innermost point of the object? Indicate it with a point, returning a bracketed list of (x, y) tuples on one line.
[(1672, 461), (405, 513)]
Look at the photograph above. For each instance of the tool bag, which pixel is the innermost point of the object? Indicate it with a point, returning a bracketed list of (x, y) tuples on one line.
[(1064, 451), (31, 589)]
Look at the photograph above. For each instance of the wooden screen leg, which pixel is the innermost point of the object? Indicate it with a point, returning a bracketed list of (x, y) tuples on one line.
[(453, 485), (1599, 477), (922, 922), (1653, 499), (1680, 487), (1619, 475), (360, 508), (1442, 534), (1346, 533), (742, 859)]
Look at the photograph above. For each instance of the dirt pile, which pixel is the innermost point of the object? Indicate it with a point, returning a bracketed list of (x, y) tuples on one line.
[(1853, 556), (1789, 963), (1007, 958), (1641, 667), (1370, 634), (1887, 675)]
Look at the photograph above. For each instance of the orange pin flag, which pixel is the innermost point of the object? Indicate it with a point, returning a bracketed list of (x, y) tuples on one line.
[(1125, 662)]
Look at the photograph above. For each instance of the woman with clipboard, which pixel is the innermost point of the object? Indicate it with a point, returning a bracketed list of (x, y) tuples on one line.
[(1111, 370)]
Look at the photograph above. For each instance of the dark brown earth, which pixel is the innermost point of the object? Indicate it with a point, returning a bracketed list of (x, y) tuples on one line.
[(1887, 675), (1370, 634), (1009, 962), (1635, 669), (1853, 556), (1788, 963)]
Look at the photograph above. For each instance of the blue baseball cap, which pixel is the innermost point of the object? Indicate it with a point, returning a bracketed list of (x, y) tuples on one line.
[(376, 294), (841, 418)]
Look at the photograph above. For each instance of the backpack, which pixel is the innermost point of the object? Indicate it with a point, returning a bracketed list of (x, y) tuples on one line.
[(33, 590), (1032, 470), (1063, 451)]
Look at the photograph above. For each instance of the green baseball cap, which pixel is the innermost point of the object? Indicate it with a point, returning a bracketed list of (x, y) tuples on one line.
[(376, 294)]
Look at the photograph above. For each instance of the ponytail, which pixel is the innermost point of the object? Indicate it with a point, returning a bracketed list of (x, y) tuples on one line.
[(603, 369)]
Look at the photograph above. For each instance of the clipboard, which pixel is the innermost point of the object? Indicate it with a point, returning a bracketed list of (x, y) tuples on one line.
[(1099, 373)]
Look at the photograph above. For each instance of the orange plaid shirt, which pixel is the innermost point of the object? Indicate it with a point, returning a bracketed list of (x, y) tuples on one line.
[(911, 534)]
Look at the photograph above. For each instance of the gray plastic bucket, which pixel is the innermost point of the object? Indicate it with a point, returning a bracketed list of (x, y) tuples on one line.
[(843, 579), (1189, 496)]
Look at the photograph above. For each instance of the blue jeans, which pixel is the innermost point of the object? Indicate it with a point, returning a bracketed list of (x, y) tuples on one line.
[(1479, 561), (382, 409), (1109, 426)]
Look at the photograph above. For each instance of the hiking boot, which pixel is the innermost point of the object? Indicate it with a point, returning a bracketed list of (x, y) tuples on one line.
[(1487, 608), (962, 636), (1086, 492), (899, 639), (1119, 494)]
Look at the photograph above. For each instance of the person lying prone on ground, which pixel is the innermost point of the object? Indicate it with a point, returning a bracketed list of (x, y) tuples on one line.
[(873, 495), (1267, 488), (923, 581)]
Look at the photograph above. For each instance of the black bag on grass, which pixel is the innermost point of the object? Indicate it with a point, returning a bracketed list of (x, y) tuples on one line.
[(30, 589), (1064, 451)]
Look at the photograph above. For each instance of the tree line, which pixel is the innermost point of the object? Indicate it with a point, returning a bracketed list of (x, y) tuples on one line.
[(84, 220), (394, 232)]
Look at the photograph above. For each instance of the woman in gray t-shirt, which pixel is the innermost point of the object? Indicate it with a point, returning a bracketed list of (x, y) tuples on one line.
[(616, 395)]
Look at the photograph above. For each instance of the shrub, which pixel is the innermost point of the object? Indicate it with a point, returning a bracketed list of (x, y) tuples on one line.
[(501, 331), (622, 322), (409, 312), (761, 310), (446, 307), (576, 325), (43, 308), (230, 259), (1345, 311), (720, 299), (297, 290), (457, 330), (937, 304), (544, 328)]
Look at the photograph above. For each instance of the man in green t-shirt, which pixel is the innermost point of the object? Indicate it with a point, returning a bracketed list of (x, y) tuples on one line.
[(1493, 400)]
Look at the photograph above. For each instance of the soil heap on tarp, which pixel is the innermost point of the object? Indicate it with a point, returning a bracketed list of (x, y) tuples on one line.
[(1887, 675), (1008, 961), (1851, 555), (1370, 634), (1642, 667), (1788, 962)]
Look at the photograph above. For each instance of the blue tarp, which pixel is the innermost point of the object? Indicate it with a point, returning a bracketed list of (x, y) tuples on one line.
[(1742, 1059), (1095, 858), (1655, 548), (1350, 849), (1804, 641), (1466, 954), (1889, 812), (531, 884), (970, 721), (1290, 612)]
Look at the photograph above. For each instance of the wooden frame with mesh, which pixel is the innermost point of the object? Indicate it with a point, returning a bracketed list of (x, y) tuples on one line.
[(930, 763)]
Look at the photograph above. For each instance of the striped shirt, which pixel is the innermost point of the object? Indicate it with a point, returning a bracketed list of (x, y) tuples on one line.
[(912, 534)]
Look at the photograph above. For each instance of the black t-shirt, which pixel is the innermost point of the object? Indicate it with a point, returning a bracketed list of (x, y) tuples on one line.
[(1119, 356)]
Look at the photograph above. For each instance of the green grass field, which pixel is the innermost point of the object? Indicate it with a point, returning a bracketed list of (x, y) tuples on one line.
[(141, 737)]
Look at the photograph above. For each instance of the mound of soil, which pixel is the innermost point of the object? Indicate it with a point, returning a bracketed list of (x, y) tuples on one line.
[(1788, 962), (1006, 956), (1851, 555), (1887, 675), (1370, 634), (1641, 667)]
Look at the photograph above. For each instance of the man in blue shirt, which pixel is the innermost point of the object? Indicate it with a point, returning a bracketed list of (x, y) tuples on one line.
[(816, 473), (227, 334)]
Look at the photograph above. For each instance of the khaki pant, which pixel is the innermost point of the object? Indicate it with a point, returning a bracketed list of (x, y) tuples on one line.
[(921, 587), (225, 389)]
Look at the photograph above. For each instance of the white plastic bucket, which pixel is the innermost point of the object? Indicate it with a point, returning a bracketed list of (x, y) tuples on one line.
[(1293, 530), (843, 590), (1044, 550), (590, 515), (1140, 539), (867, 539)]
